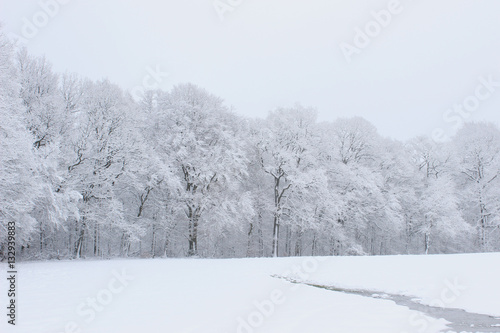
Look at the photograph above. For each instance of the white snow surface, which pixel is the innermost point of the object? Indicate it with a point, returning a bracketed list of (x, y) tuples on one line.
[(240, 295)]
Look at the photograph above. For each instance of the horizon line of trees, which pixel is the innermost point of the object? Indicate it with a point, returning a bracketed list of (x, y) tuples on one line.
[(87, 171)]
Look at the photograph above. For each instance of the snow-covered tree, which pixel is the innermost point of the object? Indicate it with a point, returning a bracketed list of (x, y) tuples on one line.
[(98, 157), (368, 210), (440, 210), (207, 156), (20, 184), (436, 213), (287, 148), (477, 147)]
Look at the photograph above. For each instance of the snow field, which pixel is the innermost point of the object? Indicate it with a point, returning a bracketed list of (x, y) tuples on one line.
[(241, 296)]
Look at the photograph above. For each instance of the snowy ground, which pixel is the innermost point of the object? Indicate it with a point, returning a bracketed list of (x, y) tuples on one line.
[(240, 295)]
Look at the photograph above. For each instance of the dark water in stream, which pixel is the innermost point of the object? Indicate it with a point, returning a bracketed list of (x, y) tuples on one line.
[(460, 320)]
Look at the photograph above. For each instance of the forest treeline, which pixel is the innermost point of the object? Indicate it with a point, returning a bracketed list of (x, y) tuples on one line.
[(88, 171)]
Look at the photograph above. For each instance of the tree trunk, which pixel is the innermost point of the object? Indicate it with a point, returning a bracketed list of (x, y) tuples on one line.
[(261, 236), (288, 241), (277, 212), (96, 239), (193, 217), (427, 242), (249, 240), (166, 243), (276, 229), (482, 226), (153, 242), (298, 243), (313, 246), (193, 237), (409, 232), (79, 241), (41, 237)]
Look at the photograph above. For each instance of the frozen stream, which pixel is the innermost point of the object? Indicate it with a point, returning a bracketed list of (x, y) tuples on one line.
[(460, 320)]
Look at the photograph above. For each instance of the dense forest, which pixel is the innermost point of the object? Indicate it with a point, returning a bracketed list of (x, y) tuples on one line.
[(89, 171)]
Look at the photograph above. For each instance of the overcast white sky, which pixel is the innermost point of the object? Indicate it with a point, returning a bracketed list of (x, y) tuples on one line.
[(270, 53)]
